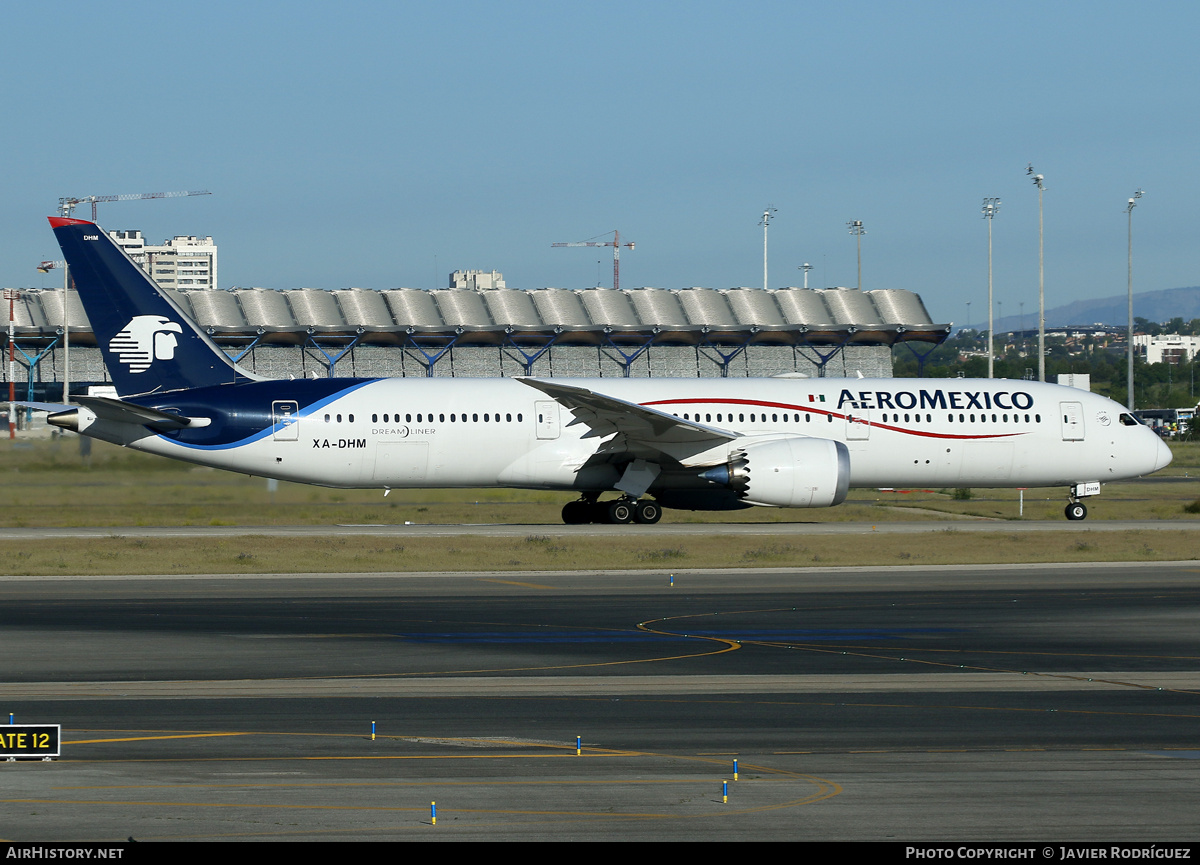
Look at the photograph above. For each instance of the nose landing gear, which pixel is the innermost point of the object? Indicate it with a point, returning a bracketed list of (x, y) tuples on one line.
[(1077, 510)]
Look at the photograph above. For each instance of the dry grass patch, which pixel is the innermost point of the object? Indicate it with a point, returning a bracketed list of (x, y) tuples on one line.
[(340, 554)]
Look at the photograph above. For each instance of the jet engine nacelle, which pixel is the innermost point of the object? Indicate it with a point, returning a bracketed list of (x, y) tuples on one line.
[(787, 472)]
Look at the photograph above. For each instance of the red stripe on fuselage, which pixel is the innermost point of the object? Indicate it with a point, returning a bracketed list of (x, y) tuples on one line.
[(817, 411)]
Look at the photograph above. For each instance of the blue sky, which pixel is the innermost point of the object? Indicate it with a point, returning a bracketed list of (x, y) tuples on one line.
[(386, 144)]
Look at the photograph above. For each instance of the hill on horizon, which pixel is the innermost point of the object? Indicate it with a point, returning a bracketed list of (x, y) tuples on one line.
[(1155, 306)]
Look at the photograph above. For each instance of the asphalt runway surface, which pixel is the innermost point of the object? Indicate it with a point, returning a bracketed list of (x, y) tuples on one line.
[(1001, 703)]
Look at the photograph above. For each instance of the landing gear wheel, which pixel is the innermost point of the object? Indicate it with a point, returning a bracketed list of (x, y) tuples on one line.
[(647, 513), (576, 513), (1076, 511), (620, 511)]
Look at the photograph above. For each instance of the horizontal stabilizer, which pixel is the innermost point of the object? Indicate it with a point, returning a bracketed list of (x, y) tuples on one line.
[(52, 407), (119, 411), (114, 411)]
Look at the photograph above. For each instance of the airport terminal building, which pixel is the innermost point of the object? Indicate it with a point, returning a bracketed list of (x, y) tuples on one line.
[(485, 331)]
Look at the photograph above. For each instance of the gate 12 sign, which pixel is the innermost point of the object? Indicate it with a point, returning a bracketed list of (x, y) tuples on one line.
[(29, 740)]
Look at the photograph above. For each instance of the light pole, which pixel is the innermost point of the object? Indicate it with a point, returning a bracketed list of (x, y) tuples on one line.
[(1129, 333), (1041, 187), (46, 267), (806, 267), (856, 229), (990, 207), (11, 295), (1000, 320), (765, 223)]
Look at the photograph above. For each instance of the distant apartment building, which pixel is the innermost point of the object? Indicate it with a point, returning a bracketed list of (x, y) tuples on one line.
[(184, 262), (1169, 347), (473, 280)]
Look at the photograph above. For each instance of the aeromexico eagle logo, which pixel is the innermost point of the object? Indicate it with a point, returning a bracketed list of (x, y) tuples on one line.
[(145, 339)]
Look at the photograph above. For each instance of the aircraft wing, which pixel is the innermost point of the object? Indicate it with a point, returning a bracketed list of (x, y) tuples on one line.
[(638, 429)]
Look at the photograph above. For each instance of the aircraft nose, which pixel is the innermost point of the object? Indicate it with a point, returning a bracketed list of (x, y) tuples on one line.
[(1162, 457)]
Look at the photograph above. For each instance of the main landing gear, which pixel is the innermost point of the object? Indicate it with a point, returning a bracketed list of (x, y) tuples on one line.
[(622, 510)]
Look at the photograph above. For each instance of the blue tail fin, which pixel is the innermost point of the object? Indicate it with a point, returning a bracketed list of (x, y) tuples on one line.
[(149, 344)]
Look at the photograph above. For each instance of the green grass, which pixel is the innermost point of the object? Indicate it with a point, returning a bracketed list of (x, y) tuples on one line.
[(47, 483)]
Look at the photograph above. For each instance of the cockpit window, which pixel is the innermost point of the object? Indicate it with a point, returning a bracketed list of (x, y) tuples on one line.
[(1129, 420)]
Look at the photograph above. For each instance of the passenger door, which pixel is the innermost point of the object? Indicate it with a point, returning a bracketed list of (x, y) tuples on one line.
[(546, 418), (1072, 421), (285, 415), (858, 425)]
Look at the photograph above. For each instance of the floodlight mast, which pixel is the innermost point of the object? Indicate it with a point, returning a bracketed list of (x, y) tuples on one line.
[(856, 229), (990, 208), (765, 223), (1129, 332), (1038, 181), (46, 267), (12, 295)]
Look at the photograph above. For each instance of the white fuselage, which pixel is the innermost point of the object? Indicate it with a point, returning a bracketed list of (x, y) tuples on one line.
[(501, 432)]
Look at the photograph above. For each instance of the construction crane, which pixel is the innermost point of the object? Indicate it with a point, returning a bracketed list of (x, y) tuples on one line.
[(616, 245), (66, 206)]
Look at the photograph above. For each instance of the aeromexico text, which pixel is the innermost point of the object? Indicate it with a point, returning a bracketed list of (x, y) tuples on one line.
[(943, 399)]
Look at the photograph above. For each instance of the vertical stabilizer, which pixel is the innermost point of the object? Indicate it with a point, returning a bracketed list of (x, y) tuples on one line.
[(148, 342)]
